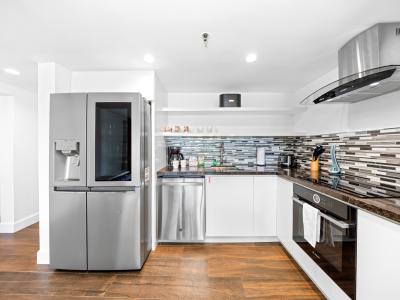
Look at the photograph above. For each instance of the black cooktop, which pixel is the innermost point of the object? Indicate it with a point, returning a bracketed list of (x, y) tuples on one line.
[(354, 185)]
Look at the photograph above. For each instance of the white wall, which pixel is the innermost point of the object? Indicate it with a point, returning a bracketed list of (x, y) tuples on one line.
[(6, 163), (114, 81), (375, 113), (223, 123), (159, 121), (19, 137)]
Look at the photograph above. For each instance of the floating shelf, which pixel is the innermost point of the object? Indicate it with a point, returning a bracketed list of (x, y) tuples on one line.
[(262, 110)]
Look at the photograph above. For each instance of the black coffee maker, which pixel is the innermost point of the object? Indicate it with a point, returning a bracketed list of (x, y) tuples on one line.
[(174, 153)]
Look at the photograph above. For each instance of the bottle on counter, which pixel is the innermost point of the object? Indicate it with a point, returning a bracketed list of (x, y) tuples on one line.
[(192, 161), (200, 160)]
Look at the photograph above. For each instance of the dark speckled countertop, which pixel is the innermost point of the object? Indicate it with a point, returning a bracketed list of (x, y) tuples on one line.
[(387, 207)]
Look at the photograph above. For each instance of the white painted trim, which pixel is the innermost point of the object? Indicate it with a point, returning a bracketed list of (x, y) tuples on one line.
[(26, 222), (20, 224), (6, 228), (42, 258)]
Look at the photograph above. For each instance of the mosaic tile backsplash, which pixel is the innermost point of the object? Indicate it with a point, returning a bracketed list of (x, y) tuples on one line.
[(372, 156), (237, 150)]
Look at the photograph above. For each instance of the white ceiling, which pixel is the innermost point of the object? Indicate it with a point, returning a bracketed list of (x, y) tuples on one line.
[(296, 41)]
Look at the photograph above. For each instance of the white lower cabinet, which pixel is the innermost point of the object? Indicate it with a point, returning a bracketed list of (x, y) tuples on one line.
[(265, 205), (229, 205), (378, 263), (240, 206), (284, 210)]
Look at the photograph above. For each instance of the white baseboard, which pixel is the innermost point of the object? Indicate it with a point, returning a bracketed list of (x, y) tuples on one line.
[(242, 239), (26, 222), (20, 224), (6, 228), (42, 257), (233, 239)]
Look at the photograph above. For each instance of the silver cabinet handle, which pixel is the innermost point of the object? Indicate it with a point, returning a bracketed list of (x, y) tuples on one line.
[(338, 223), (181, 210), (112, 189), (182, 184)]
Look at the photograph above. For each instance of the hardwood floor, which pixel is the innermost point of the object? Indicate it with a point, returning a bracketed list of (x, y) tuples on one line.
[(212, 271)]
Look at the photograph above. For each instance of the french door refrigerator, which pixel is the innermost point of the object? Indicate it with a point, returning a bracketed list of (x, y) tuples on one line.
[(100, 149)]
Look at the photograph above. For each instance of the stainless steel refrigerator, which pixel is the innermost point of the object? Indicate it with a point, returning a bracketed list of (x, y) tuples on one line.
[(100, 156)]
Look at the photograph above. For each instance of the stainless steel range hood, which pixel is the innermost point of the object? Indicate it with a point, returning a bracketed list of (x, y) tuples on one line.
[(369, 66)]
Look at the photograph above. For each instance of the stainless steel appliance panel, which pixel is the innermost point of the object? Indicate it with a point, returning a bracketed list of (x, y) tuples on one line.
[(115, 139), (147, 228), (114, 230), (375, 47), (181, 209), (335, 252), (68, 230), (68, 126)]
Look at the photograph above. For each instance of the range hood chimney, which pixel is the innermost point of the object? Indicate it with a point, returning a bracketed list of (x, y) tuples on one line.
[(369, 66)]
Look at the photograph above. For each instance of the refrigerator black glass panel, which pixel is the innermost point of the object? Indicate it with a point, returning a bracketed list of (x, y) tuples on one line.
[(113, 141)]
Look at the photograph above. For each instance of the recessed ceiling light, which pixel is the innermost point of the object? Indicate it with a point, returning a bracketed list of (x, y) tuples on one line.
[(252, 57), (12, 71), (374, 83), (148, 58)]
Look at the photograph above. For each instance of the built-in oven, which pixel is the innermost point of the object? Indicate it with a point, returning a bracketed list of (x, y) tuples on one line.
[(335, 250)]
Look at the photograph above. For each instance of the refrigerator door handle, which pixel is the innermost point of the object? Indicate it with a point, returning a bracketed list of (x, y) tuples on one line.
[(71, 189), (112, 188)]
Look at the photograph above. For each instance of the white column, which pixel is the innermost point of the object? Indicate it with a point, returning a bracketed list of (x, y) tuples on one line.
[(52, 78), (6, 164)]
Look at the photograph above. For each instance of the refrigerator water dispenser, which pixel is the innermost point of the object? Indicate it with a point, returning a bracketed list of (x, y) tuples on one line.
[(66, 160)]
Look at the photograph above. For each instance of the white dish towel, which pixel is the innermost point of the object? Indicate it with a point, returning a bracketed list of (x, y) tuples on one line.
[(311, 224)]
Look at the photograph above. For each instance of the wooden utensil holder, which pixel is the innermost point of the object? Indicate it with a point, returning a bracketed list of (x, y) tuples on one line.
[(315, 165)]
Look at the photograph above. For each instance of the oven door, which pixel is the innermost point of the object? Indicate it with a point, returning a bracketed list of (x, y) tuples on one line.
[(335, 253), (114, 139)]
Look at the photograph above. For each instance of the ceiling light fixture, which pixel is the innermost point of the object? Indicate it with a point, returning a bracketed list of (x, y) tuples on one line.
[(252, 57), (205, 36), (12, 71), (149, 58)]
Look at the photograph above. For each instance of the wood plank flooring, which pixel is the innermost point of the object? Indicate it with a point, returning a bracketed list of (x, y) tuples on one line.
[(212, 271)]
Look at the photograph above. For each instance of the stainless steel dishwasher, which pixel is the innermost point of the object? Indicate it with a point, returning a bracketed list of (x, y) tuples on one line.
[(181, 209)]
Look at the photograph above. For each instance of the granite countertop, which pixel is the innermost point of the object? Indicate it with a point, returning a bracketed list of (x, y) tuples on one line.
[(388, 207), (196, 171)]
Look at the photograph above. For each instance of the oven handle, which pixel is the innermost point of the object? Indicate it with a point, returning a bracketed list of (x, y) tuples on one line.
[(338, 223)]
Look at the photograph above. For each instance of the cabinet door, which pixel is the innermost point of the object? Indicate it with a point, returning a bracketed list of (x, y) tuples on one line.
[(68, 230), (229, 205), (113, 225), (265, 205), (378, 248), (284, 210)]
